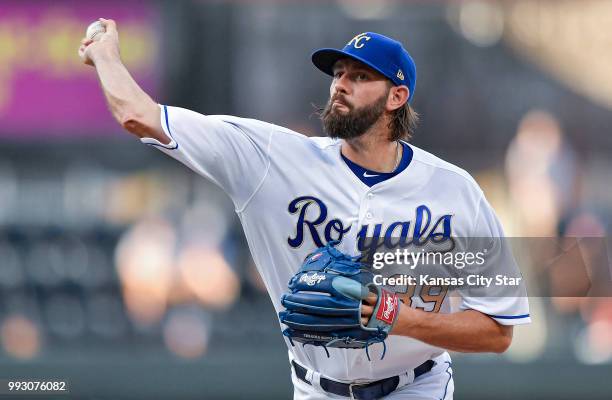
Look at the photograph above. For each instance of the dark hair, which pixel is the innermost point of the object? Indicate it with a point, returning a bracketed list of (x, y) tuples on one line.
[(403, 123)]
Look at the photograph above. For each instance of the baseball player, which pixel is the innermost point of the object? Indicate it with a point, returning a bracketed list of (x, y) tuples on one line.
[(295, 194)]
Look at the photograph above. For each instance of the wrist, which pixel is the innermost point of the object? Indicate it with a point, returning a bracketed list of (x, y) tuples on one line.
[(407, 321), (104, 55)]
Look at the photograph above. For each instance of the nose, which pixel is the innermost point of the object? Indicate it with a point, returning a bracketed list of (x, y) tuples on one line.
[(340, 85)]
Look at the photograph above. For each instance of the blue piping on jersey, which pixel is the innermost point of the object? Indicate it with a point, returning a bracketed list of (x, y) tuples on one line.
[(510, 316), (450, 377), (169, 133)]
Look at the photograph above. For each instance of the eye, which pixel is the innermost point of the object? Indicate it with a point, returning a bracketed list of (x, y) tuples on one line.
[(362, 76), (338, 74)]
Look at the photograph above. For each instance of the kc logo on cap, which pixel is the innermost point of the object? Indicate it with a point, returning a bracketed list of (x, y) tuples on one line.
[(357, 40)]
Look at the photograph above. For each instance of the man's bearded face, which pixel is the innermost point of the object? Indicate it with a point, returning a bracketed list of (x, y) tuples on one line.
[(355, 122)]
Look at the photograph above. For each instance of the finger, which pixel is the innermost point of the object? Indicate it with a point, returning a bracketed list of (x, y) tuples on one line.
[(364, 321), (366, 311), (86, 41), (371, 299), (85, 60), (109, 25)]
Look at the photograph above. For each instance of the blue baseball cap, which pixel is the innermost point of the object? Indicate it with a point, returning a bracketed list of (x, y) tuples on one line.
[(378, 52)]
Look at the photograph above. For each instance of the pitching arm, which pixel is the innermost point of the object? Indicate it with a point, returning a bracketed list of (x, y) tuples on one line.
[(130, 105)]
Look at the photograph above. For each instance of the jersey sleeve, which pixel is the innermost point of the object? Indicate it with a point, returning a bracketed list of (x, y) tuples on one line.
[(506, 303), (231, 152)]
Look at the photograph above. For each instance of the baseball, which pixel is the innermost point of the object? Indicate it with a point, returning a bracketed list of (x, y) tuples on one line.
[(94, 30)]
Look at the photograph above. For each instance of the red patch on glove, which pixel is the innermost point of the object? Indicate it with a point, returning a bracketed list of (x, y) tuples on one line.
[(388, 307)]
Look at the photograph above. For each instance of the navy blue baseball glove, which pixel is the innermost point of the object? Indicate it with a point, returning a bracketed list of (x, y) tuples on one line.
[(323, 307)]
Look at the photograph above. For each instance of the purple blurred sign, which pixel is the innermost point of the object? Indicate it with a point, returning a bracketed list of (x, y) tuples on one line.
[(45, 90)]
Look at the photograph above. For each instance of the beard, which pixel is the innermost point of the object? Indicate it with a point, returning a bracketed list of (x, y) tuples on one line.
[(355, 122)]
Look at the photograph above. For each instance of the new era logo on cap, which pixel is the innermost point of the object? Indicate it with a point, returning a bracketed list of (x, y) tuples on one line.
[(378, 52)]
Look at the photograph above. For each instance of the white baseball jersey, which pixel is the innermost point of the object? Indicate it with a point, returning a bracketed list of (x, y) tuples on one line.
[(294, 193)]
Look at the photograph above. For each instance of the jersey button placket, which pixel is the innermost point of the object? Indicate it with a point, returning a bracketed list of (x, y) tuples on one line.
[(367, 206)]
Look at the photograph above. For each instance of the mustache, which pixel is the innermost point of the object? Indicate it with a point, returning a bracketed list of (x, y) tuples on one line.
[(320, 111), (341, 99)]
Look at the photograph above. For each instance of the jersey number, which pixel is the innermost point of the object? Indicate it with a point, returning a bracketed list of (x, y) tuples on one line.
[(431, 297)]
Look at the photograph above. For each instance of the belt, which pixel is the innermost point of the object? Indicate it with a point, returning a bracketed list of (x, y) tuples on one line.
[(367, 391)]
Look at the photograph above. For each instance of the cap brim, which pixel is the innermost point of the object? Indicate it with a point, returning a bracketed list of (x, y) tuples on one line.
[(324, 59)]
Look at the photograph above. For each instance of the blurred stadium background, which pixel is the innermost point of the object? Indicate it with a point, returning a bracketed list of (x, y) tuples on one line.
[(126, 274)]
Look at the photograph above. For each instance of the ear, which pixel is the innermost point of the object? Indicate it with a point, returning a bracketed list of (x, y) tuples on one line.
[(398, 96)]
